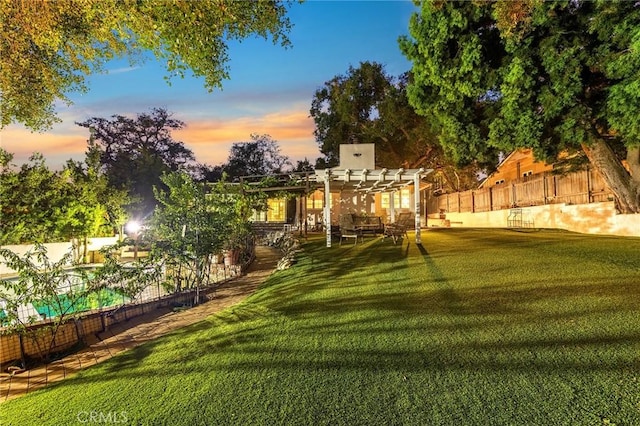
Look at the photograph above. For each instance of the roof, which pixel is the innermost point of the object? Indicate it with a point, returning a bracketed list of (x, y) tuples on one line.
[(522, 154)]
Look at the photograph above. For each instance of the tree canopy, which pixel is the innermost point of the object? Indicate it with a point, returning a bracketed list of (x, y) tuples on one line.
[(345, 107), (369, 106), (135, 152), (41, 205), (554, 76), (260, 156), (48, 47)]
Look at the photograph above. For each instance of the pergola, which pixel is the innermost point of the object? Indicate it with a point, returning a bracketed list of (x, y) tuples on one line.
[(371, 181)]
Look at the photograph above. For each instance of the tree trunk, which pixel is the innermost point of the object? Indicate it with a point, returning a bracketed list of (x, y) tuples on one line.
[(624, 186), (85, 248), (633, 161)]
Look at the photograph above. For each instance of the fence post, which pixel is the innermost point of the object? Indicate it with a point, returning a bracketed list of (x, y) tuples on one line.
[(589, 188), (490, 199), (79, 335), (23, 358), (473, 202)]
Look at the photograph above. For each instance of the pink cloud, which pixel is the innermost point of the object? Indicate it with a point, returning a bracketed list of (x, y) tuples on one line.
[(56, 147), (210, 139)]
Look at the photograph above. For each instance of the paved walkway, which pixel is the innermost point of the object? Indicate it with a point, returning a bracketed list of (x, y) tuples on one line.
[(129, 334)]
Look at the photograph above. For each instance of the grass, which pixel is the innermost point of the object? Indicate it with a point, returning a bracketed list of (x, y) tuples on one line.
[(475, 327)]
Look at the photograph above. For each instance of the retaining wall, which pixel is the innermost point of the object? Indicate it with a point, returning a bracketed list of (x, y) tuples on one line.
[(597, 218)]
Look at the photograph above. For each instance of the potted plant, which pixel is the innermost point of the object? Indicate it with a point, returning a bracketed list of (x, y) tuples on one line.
[(236, 242)]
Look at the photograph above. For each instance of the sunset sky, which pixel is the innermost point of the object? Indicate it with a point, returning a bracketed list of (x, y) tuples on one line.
[(269, 91)]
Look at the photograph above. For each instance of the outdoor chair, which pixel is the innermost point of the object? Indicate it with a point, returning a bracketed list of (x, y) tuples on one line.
[(348, 229), (399, 228)]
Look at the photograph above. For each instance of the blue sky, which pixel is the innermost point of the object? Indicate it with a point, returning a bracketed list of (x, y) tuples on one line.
[(269, 92)]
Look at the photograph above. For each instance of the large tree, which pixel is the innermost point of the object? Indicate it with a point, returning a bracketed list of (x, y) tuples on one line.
[(93, 207), (554, 76), (259, 156), (31, 199), (48, 47), (135, 152), (369, 106), (345, 107)]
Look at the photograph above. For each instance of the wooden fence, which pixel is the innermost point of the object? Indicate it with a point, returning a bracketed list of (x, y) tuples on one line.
[(582, 187)]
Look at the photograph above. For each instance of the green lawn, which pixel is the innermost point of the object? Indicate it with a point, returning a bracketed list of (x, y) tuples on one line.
[(481, 327)]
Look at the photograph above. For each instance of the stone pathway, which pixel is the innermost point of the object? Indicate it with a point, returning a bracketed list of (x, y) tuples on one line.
[(136, 331)]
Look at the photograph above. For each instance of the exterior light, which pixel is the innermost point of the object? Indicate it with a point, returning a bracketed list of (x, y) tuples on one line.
[(133, 227)]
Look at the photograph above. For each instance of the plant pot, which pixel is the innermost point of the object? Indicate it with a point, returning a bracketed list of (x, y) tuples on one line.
[(230, 257)]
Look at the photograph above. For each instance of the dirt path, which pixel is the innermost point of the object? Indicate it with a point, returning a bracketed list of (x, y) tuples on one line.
[(129, 334)]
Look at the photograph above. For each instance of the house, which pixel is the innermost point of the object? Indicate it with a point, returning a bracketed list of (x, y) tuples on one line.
[(520, 164), (355, 186), (346, 201)]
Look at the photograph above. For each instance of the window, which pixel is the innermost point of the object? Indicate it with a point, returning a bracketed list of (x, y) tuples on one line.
[(384, 200), (276, 210), (258, 216), (529, 173), (316, 200), (405, 199), (401, 199), (498, 182)]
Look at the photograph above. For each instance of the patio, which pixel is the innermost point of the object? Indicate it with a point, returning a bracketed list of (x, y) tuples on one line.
[(357, 174)]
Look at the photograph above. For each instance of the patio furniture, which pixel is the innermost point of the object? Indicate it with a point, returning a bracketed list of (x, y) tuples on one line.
[(399, 228), (519, 218), (348, 229), (369, 224)]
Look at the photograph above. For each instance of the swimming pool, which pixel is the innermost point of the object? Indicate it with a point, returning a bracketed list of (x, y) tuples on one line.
[(104, 298), (65, 302)]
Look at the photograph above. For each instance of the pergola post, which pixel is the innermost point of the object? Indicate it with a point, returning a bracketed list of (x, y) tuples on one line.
[(327, 205), (392, 207), (416, 203), (364, 182)]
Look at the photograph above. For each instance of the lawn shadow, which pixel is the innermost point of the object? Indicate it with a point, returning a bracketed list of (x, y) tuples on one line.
[(328, 314)]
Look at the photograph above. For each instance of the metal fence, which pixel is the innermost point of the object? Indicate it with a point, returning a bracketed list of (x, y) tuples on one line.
[(94, 313), (70, 300)]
